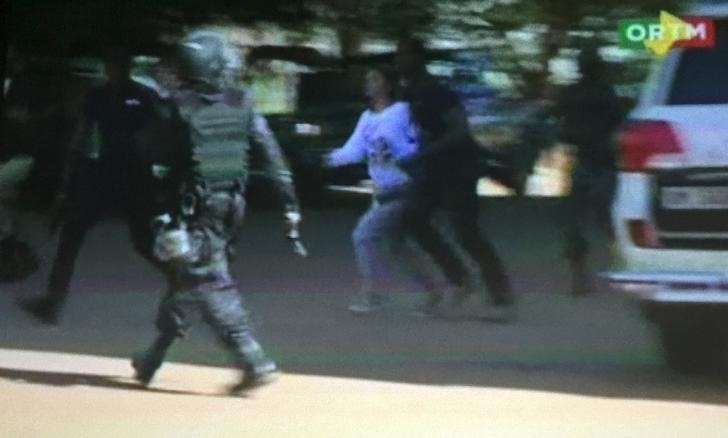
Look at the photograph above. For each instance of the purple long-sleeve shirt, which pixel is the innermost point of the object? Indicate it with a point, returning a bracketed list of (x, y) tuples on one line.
[(380, 138)]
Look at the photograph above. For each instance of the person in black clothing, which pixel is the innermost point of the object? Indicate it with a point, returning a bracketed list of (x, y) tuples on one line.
[(36, 122), (446, 172), (589, 113), (23, 113), (99, 179)]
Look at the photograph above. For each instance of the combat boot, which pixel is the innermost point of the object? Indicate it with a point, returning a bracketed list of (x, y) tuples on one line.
[(143, 373), (254, 376), (42, 309), (147, 363)]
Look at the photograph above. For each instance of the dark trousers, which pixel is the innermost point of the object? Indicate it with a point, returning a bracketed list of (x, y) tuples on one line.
[(99, 191), (72, 236), (460, 202), (588, 210)]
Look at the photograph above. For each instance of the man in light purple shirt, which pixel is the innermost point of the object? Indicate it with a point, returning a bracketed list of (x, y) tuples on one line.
[(380, 138), (384, 134)]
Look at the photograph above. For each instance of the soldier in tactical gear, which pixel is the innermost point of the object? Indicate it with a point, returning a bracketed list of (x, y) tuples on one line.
[(195, 240)]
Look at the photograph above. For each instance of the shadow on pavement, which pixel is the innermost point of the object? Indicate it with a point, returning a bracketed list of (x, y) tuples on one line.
[(56, 378), (606, 381)]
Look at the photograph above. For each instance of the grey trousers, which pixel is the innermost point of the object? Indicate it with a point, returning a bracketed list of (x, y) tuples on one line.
[(380, 243)]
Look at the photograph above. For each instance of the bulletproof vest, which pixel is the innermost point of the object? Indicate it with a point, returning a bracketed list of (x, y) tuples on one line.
[(219, 129)]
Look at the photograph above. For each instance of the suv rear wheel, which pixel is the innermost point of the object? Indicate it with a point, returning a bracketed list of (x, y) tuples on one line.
[(691, 348), (694, 337)]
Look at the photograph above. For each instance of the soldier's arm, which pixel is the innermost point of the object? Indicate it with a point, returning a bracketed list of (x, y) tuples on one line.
[(277, 165), (75, 149), (80, 136), (84, 135)]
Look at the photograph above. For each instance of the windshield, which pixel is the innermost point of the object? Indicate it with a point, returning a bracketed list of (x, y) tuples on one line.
[(701, 76)]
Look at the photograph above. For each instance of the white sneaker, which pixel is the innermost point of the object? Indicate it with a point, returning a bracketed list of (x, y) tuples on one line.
[(363, 308), (366, 303)]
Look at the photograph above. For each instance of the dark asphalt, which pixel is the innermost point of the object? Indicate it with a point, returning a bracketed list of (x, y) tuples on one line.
[(597, 345)]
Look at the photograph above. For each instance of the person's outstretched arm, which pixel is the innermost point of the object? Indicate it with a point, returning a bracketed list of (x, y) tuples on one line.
[(353, 151)]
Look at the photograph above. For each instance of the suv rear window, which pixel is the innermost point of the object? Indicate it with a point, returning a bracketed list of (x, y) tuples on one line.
[(701, 76)]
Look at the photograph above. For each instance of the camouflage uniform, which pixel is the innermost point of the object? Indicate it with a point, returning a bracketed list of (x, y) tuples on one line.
[(196, 242)]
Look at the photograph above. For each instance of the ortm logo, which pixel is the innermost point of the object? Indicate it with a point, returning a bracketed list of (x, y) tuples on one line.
[(659, 36)]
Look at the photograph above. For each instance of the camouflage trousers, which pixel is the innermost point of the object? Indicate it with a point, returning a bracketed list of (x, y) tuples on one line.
[(198, 255), (223, 310)]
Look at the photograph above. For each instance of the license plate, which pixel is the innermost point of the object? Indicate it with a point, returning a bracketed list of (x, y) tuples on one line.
[(694, 198)]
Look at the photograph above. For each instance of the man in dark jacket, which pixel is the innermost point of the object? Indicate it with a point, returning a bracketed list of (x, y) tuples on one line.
[(98, 181), (446, 174), (589, 113)]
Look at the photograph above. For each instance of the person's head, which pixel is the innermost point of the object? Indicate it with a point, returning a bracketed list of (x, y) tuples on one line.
[(410, 58), (166, 73), (117, 63), (380, 83), (202, 56), (590, 63)]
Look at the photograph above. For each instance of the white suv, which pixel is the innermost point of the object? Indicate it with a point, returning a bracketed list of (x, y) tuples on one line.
[(671, 209)]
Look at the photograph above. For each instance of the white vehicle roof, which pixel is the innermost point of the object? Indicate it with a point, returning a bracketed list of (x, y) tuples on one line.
[(718, 10)]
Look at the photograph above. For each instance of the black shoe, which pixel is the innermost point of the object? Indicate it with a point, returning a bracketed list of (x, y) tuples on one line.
[(256, 376), (499, 314), (582, 283), (460, 295), (42, 309), (142, 373), (431, 306)]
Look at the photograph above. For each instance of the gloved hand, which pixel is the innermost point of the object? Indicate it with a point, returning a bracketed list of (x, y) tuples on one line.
[(293, 219)]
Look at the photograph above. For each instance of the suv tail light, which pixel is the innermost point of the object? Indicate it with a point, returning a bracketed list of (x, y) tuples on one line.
[(643, 234), (642, 139)]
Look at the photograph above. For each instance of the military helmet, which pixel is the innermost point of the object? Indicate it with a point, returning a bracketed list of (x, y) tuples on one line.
[(203, 56)]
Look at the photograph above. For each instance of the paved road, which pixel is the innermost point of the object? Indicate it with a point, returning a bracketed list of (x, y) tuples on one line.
[(596, 347)]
